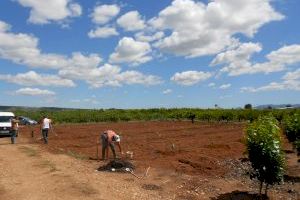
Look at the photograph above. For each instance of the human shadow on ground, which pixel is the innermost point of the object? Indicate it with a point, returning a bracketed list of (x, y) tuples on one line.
[(240, 195), (294, 179)]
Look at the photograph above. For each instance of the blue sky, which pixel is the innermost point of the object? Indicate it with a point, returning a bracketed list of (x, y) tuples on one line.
[(142, 54)]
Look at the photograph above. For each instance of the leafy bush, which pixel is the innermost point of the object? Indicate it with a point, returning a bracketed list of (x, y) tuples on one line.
[(265, 152), (114, 115), (291, 126)]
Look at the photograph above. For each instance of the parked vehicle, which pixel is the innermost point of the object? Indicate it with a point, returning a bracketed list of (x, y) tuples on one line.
[(26, 121), (5, 123)]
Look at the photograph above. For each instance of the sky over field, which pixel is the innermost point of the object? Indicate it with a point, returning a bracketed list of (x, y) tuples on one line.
[(145, 54)]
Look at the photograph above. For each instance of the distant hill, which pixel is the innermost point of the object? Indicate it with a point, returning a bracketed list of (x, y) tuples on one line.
[(13, 108), (278, 106)]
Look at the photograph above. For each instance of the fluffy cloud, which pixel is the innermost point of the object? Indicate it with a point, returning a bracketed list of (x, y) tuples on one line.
[(103, 32), (131, 51), (23, 49), (143, 37), (135, 77), (225, 86), (31, 78), (131, 21), (237, 61), (199, 29), (43, 12), (189, 78), (109, 75), (211, 85), (91, 100), (167, 91), (287, 55), (104, 13), (34, 92), (291, 81)]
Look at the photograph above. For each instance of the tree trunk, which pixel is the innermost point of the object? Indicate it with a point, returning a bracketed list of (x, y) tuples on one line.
[(260, 187), (266, 190)]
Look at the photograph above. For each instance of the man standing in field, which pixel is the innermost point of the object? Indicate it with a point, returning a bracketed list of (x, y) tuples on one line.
[(45, 126), (108, 138), (14, 129)]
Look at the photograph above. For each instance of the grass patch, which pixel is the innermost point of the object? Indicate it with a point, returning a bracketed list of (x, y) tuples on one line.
[(29, 151), (84, 188), (77, 155), (48, 164)]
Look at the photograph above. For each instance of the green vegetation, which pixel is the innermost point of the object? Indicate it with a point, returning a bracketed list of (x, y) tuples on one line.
[(265, 151), (76, 155), (291, 127), (48, 164), (114, 115), (29, 151)]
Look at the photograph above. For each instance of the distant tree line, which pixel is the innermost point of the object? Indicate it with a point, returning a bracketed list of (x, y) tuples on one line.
[(193, 114)]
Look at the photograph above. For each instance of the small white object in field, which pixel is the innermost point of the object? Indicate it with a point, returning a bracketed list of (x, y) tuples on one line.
[(113, 169), (127, 169)]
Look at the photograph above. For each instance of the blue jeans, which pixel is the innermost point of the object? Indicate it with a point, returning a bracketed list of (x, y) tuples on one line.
[(13, 136), (105, 143), (45, 135)]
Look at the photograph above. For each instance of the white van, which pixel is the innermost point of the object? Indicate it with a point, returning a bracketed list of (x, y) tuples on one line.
[(5, 123)]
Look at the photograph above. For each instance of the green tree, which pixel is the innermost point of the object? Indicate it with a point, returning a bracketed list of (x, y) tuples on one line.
[(248, 106), (265, 152)]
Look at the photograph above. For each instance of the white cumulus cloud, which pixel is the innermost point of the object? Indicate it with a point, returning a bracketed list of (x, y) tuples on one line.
[(131, 51), (131, 21), (237, 61), (43, 12), (189, 78), (144, 37), (225, 86), (103, 32), (104, 13), (23, 49), (34, 92), (199, 29), (291, 81), (109, 75), (167, 91), (32, 78)]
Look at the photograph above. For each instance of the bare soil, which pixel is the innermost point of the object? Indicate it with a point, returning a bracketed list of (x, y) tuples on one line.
[(187, 161)]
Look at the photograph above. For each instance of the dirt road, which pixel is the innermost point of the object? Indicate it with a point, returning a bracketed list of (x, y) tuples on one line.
[(27, 172)]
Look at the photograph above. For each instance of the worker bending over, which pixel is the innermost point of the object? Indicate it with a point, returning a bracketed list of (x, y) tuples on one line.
[(109, 138)]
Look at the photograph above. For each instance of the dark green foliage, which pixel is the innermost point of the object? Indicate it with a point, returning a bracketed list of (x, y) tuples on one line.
[(264, 149), (291, 127), (114, 115), (248, 106)]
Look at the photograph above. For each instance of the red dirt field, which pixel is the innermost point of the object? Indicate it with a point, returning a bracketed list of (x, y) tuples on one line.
[(188, 161), (181, 146)]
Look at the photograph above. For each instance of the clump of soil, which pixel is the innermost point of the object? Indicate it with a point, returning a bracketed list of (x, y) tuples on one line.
[(238, 195), (117, 165), (151, 187)]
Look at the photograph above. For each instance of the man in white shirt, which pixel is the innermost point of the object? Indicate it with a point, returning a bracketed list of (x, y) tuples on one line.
[(45, 126)]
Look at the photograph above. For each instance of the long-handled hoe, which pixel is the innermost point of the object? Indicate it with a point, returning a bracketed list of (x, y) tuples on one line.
[(97, 156)]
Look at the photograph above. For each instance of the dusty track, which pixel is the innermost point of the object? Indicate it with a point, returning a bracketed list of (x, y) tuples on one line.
[(29, 173)]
